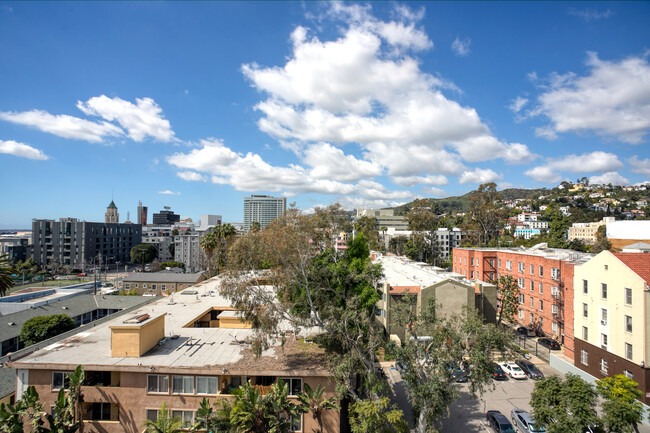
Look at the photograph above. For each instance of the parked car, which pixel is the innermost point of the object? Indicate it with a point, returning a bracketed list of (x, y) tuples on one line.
[(526, 332), (550, 343), (530, 369), (457, 373), (525, 422), (513, 370), (499, 422), (82, 274), (400, 367), (499, 374)]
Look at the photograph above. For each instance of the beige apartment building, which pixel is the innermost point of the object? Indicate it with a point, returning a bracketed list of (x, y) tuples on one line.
[(611, 317), (177, 351), (586, 232)]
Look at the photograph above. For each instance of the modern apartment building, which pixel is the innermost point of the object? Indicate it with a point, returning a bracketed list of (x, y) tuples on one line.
[(263, 209), (384, 218), (174, 351), (612, 326), (161, 237), (586, 232), (14, 246), (447, 239), (78, 243), (545, 279)]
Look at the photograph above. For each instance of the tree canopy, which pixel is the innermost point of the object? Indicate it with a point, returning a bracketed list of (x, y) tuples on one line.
[(41, 328), (6, 270), (143, 253)]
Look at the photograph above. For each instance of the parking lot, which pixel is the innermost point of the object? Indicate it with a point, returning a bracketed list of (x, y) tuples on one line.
[(468, 414)]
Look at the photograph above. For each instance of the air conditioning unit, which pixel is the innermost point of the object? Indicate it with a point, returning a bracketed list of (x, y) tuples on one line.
[(603, 322)]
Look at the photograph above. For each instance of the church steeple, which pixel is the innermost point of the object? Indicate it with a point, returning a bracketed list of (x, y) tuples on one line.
[(111, 213)]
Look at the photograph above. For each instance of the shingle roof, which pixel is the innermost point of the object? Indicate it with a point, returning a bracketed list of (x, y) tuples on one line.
[(162, 277), (638, 262)]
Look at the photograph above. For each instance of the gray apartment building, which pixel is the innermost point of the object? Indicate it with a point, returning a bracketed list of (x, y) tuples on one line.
[(262, 209), (77, 243)]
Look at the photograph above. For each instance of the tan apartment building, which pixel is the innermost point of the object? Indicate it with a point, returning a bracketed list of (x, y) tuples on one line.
[(452, 292), (586, 232), (611, 317), (176, 350), (157, 283), (545, 279)]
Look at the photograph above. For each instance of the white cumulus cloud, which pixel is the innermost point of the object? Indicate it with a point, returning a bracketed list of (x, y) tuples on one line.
[(21, 150), (640, 165), (409, 181), (612, 100), (610, 177), (480, 175), (461, 46), (597, 161), (191, 176), (168, 192), (64, 125)]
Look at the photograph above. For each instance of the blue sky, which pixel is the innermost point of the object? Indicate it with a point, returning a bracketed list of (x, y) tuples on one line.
[(197, 105)]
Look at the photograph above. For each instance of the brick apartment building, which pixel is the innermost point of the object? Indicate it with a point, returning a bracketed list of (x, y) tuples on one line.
[(545, 279)]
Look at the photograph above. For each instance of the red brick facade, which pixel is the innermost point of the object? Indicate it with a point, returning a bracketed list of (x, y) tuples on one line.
[(551, 292)]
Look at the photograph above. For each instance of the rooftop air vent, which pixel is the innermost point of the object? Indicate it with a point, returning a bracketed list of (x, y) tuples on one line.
[(137, 319)]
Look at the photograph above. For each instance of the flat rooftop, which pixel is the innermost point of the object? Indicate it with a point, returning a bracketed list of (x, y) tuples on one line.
[(572, 256), (203, 350), (402, 271)]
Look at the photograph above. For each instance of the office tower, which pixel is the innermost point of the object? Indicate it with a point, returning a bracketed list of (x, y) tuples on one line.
[(262, 209), (142, 214)]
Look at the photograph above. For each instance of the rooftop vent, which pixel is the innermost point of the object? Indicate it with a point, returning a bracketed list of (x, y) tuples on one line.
[(12, 323), (66, 308)]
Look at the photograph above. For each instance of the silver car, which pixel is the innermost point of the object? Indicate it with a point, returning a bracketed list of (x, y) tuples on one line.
[(525, 422)]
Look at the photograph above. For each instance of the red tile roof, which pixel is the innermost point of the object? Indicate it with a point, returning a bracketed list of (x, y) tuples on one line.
[(638, 262), (400, 290)]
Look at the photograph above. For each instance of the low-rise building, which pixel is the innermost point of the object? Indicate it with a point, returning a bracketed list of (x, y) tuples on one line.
[(178, 352), (158, 283), (451, 291), (545, 279), (586, 232), (612, 326)]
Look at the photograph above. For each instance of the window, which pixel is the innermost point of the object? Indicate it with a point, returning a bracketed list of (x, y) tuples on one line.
[(183, 385), (153, 287), (521, 298), (532, 286), (603, 290), (585, 287), (541, 288), (532, 302), (162, 287), (295, 385), (603, 366), (127, 286), (585, 310), (152, 415), (187, 416), (144, 285), (207, 384), (136, 285), (628, 296), (295, 424), (585, 333), (521, 313), (541, 323), (521, 283), (603, 341), (61, 379), (157, 383), (584, 357), (628, 323), (555, 328), (541, 270), (628, 350), (628, 374), (471, 275), (100, 412), (606, 267), (499, 263), (603, 316), (555, 273), (508, 265), (541, 305), (532, 318), (532, 269), (555, 310), (555, 292), (521, 266), (471, 262)]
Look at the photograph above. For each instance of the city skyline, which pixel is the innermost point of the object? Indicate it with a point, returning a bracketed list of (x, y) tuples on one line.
[(196, 106)]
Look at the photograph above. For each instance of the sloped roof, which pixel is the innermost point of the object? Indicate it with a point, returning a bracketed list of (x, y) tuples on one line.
[(112, 205), (638, 262), (401, 290)]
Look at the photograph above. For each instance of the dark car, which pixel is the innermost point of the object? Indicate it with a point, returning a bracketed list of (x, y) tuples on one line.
[(458, 374), (499, 422), (550, 343), (526, 332), (530, 369), (499, 374)]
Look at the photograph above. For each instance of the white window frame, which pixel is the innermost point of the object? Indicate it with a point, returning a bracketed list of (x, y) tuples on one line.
[(628, 292), (147, 411), (628, 374), (541, 270), (532, 269), (629, 351), (521, 266), (585, 333), (158, 376), (555, 274), (508, 265), (521, 283), (290, 382), (603, 290), (532, 302), (63, 374), (584, 357), (628, 323), (183, 414), (541, 305), (585, 287), (184, 380), (208, 379), (585, 310), (532, 286), (603, 366)]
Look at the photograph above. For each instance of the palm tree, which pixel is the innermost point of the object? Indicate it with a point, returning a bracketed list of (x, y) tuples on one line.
[(165, 423), (249, 411), (313, 401), (209, 244), (214, 421), (6, 271)]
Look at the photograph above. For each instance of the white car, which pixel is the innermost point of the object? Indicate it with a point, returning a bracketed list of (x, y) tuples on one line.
[(513, 370)]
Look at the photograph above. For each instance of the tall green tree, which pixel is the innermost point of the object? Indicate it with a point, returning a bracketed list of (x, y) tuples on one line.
[(41, 328), (508, 291), (164, 423), (6, 271), (622, 411), (314, 401), (423, 223), (564, 405), (368, 227), (485, 213), (377, 416), (211, 420), (434, 345), (602, 243), (143, 253)]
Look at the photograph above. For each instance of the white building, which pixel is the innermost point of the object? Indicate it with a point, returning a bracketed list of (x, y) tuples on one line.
[(262, 209)]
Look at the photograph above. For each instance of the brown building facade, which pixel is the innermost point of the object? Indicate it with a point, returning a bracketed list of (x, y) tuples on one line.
[(545, 280)]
